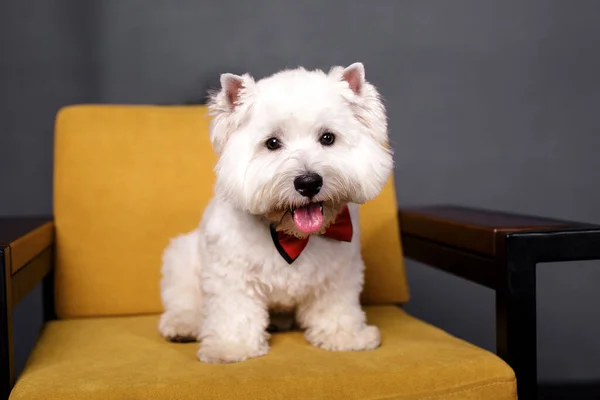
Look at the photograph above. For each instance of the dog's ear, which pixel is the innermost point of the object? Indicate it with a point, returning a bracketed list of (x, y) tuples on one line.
[(354, 75), (227, 106), (232, 93), (232, 85)]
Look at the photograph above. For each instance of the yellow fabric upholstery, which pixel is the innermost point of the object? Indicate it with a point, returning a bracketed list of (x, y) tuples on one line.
[(125, 358), (128, 178)]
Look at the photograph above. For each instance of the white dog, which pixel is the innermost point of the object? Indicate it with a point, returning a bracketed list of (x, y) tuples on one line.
[(297, 152)]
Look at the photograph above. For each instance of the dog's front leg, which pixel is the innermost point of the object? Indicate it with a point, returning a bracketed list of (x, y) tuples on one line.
[(334, 320), (234, 326)]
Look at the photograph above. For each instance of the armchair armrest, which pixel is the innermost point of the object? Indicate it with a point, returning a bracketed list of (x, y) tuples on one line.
[(25, 259), (500, 251), (26, 244), (470, 242)]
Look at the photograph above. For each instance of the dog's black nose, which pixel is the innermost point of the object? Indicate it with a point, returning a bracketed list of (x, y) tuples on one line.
[(308, 185)]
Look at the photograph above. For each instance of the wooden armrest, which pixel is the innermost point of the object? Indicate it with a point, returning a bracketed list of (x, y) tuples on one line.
[(25, 259), (469, 242), (26, 245)]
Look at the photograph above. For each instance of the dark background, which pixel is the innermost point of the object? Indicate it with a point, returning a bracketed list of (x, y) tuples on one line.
[(493, 104)]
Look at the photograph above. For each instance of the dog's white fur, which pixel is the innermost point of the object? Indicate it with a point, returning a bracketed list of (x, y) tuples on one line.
[(220, 280)]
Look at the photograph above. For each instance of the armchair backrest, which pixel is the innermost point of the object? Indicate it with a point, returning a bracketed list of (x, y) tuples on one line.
[(127, 178)]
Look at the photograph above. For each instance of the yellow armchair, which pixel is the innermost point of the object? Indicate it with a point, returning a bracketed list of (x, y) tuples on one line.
[(128, 178)]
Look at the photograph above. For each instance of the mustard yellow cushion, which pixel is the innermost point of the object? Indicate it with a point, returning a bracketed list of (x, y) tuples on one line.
[(128, 178), (125, 358)]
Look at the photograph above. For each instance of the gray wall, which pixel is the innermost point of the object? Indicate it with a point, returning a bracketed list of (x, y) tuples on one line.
[(492, 104)]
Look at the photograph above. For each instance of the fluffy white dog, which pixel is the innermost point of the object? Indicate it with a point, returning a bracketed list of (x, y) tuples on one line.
[(297, 152)]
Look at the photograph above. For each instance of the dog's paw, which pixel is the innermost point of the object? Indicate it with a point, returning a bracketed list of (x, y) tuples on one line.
[(229, 352), (179, 326), (367, 338)]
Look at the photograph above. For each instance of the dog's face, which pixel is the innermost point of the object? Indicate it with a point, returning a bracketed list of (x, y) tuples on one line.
[(297, 146)]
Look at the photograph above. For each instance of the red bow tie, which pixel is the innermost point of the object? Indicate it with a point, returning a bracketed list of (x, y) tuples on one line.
[(290, 246)]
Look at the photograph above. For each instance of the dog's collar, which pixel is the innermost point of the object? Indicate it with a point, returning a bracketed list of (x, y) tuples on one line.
[(290, 247)]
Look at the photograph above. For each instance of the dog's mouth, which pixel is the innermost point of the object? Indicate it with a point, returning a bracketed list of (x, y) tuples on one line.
[(308, 218)]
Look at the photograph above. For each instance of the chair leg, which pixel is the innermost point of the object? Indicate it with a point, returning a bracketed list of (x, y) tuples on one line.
[(6, 353), (516, 322)]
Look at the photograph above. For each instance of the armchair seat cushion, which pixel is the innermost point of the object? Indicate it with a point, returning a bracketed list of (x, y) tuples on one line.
[(125, 358)]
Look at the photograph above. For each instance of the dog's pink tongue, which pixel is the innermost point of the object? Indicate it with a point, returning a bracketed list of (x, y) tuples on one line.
[(308, 219)]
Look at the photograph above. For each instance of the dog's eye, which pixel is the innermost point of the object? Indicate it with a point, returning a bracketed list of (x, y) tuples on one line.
[(273, 143), (327, 139)]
